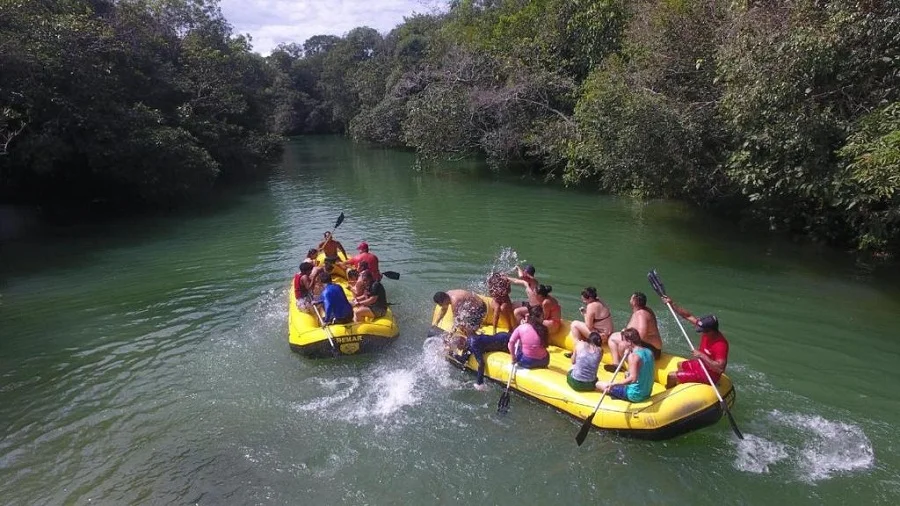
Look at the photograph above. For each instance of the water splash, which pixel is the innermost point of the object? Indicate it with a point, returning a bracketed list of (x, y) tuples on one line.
[(335, 392), (506, 261), (816, 448), (833, 448), (755, 454)]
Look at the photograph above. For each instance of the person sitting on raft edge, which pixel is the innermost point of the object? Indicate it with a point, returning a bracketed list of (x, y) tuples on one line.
[(527, 280), (713, 350), (534, 337), (337, 307), (330, 247), (582, 377), (374, 302), (303, 285), (643, 319), (468, 309), (479, 344), (638, 382), (597, 317), (364, 256), (499, 288)]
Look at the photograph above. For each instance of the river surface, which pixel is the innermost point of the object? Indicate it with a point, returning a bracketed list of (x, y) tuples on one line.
[(145, 361)]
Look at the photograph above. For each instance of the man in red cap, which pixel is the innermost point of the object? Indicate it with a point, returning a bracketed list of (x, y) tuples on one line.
[(712, 352), (364, 256)]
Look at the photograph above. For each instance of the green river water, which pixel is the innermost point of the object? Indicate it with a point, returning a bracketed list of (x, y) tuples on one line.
[(145, 361)]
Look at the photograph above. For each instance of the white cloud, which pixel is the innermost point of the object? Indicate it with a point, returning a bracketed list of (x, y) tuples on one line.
[(271, 22)]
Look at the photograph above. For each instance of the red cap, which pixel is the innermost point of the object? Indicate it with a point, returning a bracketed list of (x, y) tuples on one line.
[(363, 246)]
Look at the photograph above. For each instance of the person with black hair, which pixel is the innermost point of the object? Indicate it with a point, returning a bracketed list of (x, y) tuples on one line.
[(479, 344), (638, 382), (311, 257), (498, 288), (468, 309), (551, 309), (712, 352), (582, 377), (534, 339), (331, 247), (526, 280), (337, 307), (374, 303), (303, 285), (597, 317), (643, 319)]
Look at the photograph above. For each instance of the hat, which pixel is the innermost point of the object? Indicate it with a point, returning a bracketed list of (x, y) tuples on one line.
[(707, 323), (363, 246)]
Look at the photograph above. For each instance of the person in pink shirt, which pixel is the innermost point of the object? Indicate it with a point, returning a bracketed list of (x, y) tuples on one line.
[(533, 337), (365, 256)]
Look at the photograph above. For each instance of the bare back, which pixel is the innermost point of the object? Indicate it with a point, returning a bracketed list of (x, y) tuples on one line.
[(597, 317), (644, 321)]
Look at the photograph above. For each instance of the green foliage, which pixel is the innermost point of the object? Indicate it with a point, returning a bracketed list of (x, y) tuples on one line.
[(868, 187), (630, 140), (135, 101)]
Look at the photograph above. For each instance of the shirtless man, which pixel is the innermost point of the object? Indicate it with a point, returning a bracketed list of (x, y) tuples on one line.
[(527, 280), (330, 246), (468, 309), (644, 321), (597, 317)]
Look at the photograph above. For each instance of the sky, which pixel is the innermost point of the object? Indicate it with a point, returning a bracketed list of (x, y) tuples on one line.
[(271, 22)]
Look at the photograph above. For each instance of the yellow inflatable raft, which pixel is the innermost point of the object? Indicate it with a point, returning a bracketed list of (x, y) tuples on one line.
[(667, 413), (307, 336)]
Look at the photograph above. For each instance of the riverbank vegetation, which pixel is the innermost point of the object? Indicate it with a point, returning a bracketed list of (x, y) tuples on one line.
[(784, 113), (127, 103)]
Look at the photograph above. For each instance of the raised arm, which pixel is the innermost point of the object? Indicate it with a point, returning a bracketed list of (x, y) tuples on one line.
[(684, 313)]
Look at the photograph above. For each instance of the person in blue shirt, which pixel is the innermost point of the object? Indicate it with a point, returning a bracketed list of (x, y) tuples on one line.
[(638, 383), (337, 307)]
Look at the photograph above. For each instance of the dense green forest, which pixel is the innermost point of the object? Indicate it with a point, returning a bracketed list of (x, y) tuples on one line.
[(784, 113)]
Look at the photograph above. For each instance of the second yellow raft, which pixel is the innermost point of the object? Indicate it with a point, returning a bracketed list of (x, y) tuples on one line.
[(667, 413)]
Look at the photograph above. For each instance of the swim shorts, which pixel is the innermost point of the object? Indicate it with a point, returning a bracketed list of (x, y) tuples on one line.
[(690, 371)]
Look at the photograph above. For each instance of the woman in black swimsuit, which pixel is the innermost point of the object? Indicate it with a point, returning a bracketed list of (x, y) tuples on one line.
[(597, 317)]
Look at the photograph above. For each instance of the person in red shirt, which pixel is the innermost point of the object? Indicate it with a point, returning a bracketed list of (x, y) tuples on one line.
[(368, 258), (712, 352)]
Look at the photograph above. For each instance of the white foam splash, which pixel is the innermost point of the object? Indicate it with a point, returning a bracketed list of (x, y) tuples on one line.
[(506, 261), (834, 448), (816, 448), (756, 454), (339, 390)]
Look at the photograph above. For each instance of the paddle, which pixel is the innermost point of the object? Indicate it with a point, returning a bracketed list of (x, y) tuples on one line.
[(391, 275), (328, 333), (503, 403), (660, 290), (586, 426)]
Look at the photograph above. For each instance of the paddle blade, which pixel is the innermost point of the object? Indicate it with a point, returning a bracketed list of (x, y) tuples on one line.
[(391, 275), (655, 282), (734, 427), (585, 428), (503, 403), (339, 220)]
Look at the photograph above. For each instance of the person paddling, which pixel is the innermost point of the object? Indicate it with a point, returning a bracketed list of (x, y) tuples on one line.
[(337, 307), (331, 246), (713, 350), (638, 382)]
